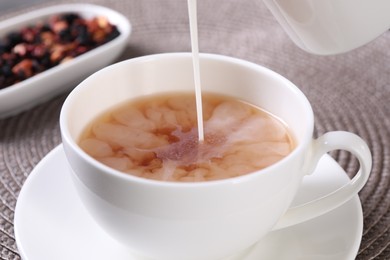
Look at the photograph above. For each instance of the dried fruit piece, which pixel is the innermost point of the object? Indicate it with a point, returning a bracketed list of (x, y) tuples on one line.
[(36, 48)]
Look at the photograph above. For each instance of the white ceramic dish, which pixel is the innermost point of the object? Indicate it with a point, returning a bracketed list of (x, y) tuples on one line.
[(52, 223), (41, 87)]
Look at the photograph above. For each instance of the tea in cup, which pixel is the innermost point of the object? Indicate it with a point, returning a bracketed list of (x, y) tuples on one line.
[(128, 134), (156, 137)]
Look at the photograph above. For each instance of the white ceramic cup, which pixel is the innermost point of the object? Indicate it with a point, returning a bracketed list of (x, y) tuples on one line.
[(206, 220), (331, 26)]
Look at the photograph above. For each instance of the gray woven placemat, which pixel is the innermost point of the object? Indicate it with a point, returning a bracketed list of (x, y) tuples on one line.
[(348, 92)]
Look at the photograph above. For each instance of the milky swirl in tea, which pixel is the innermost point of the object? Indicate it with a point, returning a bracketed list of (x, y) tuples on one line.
[(155, 137)]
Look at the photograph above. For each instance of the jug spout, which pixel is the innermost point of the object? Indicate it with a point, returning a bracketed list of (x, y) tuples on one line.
[(331, 26)]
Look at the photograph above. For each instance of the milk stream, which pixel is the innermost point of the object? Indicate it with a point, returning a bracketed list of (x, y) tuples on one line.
[(195, 63)]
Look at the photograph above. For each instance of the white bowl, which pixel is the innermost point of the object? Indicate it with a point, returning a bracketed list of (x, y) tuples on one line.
[(45, 85)]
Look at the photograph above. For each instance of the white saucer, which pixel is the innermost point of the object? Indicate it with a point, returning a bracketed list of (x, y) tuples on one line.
[(51, 223)]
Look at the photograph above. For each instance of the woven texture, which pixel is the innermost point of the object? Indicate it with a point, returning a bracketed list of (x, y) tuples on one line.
[(348, 92)]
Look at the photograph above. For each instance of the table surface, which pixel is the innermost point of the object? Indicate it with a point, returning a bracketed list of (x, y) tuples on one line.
[(348, 92)]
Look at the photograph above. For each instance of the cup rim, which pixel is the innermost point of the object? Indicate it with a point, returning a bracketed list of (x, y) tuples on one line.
[(66, 136)]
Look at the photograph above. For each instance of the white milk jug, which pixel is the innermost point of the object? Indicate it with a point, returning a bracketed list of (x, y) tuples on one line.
[(326, 27)]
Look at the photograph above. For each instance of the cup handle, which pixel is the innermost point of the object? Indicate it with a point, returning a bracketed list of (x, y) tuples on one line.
[(337, 140)]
